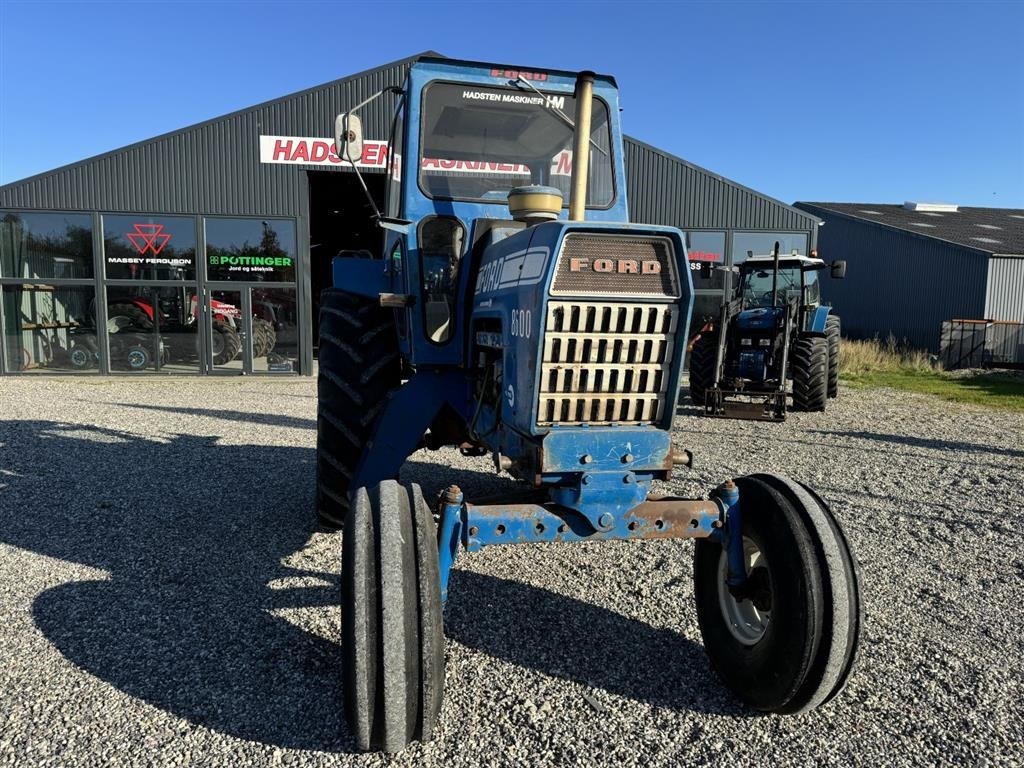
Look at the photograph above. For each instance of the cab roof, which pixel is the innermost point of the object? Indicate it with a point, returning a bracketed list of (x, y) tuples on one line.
[(790, 260)]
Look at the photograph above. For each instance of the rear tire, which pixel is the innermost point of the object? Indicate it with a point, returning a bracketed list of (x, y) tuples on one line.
[(128, 315), (702, 367), (393, 636), (359, 368), (796, 651), (833, 332), (264, 337), (226, 343), (810, 373)]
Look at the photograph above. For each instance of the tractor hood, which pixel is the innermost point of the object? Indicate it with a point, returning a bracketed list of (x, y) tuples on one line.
[(760, 319)]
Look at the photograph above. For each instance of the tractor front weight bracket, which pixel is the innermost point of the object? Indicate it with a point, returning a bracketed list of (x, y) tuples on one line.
[(475, 527)]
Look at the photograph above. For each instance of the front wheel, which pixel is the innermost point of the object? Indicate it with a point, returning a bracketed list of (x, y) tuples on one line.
[(392, 633), (789, 644)]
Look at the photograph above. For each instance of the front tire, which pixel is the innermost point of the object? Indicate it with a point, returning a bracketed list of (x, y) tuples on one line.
[(792, 647), (810, 373), (359, 368), (393, 636)]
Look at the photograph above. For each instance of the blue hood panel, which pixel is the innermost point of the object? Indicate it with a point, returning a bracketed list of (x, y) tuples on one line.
[(758, 319)]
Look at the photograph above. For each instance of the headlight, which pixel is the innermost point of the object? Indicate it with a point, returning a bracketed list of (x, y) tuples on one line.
[(765, 342), (745, 342)]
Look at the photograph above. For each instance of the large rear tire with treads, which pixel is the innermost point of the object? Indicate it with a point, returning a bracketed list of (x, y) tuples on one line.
[(810, 373), (702, 367), (359, 367), (833, 333)]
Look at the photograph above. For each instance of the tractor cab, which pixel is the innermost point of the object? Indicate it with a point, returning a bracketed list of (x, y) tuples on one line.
[(474, 133), (768, 290), (797, 276)]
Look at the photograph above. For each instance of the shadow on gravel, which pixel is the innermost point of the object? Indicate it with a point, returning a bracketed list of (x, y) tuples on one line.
[(574, 640), (247, 417), (922, 442), (191, 533)]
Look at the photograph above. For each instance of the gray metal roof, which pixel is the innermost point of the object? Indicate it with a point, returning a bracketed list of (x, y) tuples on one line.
[(992, 230), (213, 167), (691, 197)]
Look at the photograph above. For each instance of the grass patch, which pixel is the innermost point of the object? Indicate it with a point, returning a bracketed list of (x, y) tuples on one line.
[(873, 364)]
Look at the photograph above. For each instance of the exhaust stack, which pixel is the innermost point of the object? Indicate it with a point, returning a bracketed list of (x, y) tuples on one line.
[(581, 146)]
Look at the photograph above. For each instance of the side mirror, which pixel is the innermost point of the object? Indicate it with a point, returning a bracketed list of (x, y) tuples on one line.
[(838, 270), (348, 137)]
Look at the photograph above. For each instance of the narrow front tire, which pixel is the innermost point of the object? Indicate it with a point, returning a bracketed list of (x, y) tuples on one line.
[(789, 644)]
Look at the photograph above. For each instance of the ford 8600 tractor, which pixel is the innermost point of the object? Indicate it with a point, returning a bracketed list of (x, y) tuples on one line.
[(500, 320)]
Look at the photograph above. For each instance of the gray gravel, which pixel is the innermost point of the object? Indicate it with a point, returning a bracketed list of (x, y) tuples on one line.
[(164, 598)]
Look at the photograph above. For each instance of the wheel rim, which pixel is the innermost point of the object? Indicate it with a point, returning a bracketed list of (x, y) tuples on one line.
[(137, 359), (745, 620), (79, 358)]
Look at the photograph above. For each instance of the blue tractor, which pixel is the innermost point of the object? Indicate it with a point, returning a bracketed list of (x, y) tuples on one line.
[(501, 321), (775, 329)]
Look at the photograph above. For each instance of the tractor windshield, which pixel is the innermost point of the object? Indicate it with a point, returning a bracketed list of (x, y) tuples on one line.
[(757, 285), (479, 142)]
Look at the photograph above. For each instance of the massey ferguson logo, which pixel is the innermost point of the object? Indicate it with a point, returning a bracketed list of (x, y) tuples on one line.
[(616, 266), (149, 237)]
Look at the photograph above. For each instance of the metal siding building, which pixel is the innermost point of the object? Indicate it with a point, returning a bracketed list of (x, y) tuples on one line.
[(1004, 293), (907, 283), (216, 175)]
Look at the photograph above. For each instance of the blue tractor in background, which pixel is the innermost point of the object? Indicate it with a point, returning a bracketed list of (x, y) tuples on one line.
[(774, 330), (499, 320)]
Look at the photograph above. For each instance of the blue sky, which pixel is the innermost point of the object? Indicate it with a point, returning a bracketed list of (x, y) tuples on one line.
[(827, 101)]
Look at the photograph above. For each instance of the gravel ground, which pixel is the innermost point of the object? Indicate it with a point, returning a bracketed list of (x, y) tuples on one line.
[(165, 600)]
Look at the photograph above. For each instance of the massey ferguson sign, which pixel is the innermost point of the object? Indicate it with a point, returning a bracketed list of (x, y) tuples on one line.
[(305, 150)]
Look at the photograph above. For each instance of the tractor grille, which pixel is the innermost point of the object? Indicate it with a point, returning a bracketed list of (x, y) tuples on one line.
[(605, 363), (616, 266)]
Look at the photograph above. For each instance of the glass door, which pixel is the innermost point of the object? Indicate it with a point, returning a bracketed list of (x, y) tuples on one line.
[(230, 329)]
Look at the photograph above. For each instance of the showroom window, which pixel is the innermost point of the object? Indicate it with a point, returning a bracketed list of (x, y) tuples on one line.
[(45, 245), (257, 250), (140, 247), (47, 292), (706, 252), (50, 328)]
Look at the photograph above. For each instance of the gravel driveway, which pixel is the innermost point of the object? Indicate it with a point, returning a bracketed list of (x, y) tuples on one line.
[(165, 600)]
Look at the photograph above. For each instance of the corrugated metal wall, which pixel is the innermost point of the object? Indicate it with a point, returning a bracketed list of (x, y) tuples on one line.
[(213, 167), (689, 197), (898, 282), (1004, 294)]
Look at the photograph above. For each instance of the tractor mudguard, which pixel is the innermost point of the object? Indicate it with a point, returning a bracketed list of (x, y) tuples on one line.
[(816, 321), (363, 277)]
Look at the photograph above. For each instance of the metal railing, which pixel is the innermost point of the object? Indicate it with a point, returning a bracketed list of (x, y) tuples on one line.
[(981, 344)]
